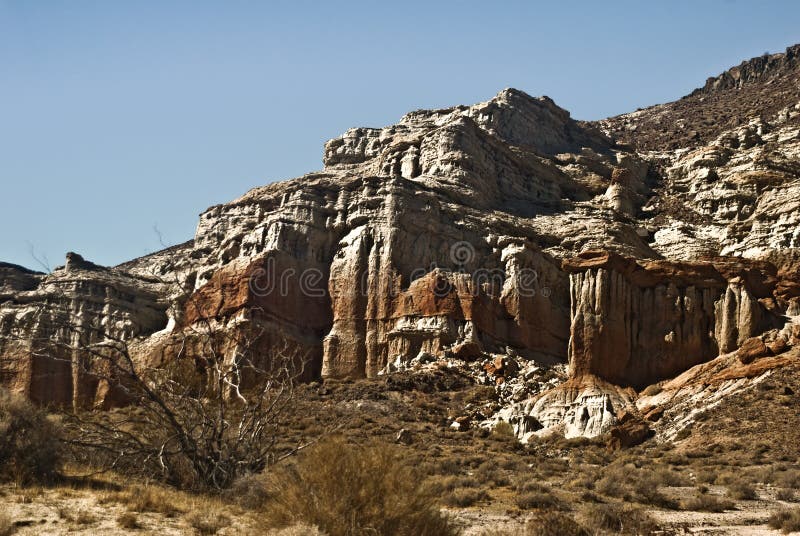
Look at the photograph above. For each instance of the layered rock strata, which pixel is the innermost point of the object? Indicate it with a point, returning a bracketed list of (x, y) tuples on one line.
[(500, 232), (48, 321), (636, 323)]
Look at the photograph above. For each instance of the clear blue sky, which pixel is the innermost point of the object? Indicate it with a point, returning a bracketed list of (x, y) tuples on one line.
[(119, 116)]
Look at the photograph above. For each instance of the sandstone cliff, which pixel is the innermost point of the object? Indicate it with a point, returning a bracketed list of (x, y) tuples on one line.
[(46, 321), (502, 231)]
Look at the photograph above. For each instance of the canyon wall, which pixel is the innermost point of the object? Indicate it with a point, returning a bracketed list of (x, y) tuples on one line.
[(636, 323), (500, 232), (47, 323)]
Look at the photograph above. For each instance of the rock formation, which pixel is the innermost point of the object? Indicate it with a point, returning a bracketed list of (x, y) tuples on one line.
[(500, 232), (636, 323), (47, 321)]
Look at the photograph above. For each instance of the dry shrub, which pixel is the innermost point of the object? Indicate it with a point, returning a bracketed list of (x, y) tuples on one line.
[(208, 523), (84, 517), (669, 477), (489, 473), (449, 466), (464, 497), (727, 477), (614, 482), (524, 485), (81, 517), (532, 494), (707, 503), (129, 521), (551, 523), (296, 530), (144, 499), (249, 492), (786, 520), (503, 431), (787, 495), (672, 458), (789, 479), (539, 500), (30, 450), (546, 524), (7, 526), (346, 489), (742, 491), (706, 476), (442, 485), (586, 479), (552, 467), (617, 519), (626, 481)]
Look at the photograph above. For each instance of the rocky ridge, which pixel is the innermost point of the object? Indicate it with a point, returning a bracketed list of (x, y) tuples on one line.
[(566, 263)]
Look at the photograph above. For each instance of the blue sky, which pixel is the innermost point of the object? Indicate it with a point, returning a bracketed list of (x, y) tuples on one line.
[(119, 117)]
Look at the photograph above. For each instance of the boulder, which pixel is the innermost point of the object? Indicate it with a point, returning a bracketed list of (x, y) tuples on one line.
[(461, 424), (467, 351), (752, 349), (631, 430), (778, 346)]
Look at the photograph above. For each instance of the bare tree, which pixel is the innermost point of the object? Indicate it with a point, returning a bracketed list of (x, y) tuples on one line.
[(191, 422), (209, 414)]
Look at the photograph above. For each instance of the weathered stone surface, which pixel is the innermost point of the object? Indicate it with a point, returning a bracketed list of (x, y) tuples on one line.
[(503, 232), (635, 323), (46, 321), (630, 430), (585, 407), (752, 349)]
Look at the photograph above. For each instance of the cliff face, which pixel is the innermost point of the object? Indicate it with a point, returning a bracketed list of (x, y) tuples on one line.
[(427, 236), (47, 321), (639, 323), (499, 231)]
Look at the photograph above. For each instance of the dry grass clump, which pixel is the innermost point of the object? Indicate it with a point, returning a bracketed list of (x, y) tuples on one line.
[(617, 519), (442, 486), (539, 500), (128, 520), (532, 494), (7, 526), (702, 502), (546, 524), (786, 520), (788, 479), (249, 492), (626, 481), (550, 523), (465, 497), (81, 517), (208, 523), (145, 499), (296, 530), (30, 449), (347, 489), (785, 494), (742, 491)]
